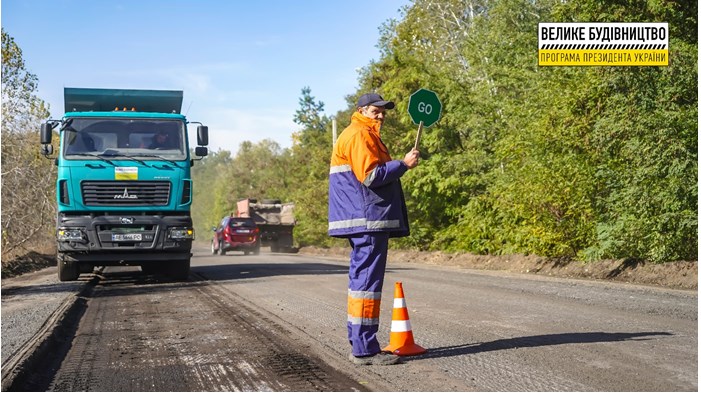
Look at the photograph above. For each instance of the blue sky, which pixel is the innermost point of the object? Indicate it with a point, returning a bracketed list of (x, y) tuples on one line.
[(241, 64)]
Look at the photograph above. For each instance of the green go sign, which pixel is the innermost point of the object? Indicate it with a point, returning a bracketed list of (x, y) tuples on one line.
[(424, 107)]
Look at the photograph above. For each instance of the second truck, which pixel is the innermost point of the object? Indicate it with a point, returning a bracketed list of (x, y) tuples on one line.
[(275, 220)]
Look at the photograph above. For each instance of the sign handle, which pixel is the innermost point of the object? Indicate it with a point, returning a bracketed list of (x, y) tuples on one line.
[(418, 134)]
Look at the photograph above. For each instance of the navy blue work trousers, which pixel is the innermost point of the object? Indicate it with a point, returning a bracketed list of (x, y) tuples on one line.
[(368, 259)]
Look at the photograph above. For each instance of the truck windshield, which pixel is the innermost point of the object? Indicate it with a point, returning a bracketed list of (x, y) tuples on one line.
[(128, 137)]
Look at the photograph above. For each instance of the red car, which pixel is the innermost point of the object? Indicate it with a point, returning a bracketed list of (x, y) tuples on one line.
[(236, 234)]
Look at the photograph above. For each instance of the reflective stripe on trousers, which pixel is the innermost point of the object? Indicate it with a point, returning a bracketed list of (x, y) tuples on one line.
[(366, 275)]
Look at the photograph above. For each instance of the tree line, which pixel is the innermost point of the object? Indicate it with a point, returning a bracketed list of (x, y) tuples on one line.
[(28, 179), (578, 162)]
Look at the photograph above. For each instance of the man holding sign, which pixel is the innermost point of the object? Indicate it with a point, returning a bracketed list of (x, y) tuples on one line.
[(366, 206)]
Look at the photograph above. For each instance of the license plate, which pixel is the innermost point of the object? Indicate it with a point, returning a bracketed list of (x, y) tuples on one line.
[(243, 231), (121, 237)]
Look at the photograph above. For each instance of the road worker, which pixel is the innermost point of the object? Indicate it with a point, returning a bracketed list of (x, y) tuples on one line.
[(366, 206)]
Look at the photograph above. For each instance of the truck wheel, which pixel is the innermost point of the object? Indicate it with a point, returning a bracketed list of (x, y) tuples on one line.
[(256, 251), (67, 270), (180, 270)]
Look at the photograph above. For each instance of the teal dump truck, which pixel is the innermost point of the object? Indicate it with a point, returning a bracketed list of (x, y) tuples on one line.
[(123, 189)]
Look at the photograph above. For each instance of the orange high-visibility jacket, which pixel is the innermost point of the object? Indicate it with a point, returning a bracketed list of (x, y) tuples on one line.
[(365, 194)]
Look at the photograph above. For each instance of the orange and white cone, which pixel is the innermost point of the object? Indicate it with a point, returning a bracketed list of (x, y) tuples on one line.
[(401, 339)]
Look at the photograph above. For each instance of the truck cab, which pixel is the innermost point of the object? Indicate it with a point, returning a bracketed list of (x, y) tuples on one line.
[(123, 189)]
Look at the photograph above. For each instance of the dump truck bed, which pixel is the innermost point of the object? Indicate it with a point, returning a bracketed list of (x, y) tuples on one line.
[(106, 100)]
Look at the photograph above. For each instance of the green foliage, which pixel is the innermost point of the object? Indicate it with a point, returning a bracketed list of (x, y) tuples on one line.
[(256, 171), (208, 189), (19, 102), (593, 162), (309, 158), (264, 170), (584, 162), (28, 179)]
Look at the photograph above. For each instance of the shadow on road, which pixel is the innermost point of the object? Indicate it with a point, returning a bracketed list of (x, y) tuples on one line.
[(538, 341), (268, 269)]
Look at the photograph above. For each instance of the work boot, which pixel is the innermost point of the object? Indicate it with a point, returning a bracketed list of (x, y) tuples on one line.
[(382, 358)]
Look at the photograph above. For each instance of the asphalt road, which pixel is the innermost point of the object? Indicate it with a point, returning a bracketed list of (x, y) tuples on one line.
[(484, 331)]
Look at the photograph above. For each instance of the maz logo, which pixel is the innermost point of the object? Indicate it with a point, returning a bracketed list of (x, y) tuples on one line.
[(125, 195)]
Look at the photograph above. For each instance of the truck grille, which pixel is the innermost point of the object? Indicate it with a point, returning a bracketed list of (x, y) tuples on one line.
[(125, 193)]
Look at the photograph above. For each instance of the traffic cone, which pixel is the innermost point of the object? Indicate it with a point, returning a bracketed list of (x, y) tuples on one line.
[(401, 339)]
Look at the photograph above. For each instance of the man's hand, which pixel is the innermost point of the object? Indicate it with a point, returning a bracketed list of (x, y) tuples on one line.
[(411, 159)]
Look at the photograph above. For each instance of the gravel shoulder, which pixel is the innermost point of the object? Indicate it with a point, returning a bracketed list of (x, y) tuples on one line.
[(32, 306), (673, 275), (40, 292)]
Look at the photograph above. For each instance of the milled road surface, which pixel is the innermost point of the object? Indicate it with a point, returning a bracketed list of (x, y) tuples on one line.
[(277, 322), (139, 334)]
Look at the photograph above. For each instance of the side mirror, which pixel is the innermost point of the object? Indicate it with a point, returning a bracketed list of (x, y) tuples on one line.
[(47, 150), (202, 136), (201, 151), (46, 133), (214, 229)]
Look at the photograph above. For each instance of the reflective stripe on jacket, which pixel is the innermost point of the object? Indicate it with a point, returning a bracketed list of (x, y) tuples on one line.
[(365, 194)]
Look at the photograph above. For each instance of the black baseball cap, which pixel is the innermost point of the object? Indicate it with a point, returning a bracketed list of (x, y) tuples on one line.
[(374, 99)]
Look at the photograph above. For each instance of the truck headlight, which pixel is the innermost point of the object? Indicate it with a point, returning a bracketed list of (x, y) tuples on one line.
[(70, 234), (181, 233)]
